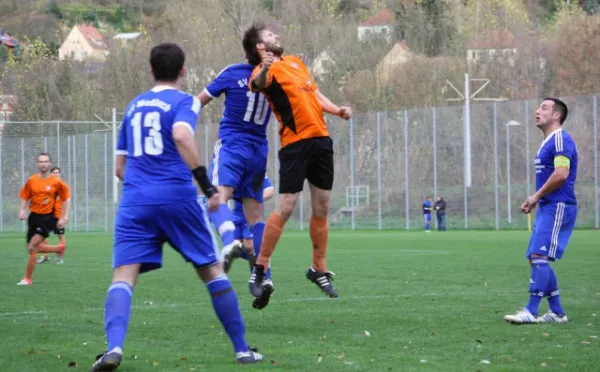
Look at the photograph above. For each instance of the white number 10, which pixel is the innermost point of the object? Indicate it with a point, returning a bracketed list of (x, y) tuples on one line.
[(153, 143), (261, 109)]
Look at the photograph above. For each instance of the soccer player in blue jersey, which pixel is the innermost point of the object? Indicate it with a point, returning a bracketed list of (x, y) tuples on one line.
[(427, 206), (556, 172), (157, 158), (240, 157)]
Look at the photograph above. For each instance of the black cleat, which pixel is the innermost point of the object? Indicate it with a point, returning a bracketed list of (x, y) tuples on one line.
[(323, 281), (256, 281), (230, 253), (107, 362), (262, 301)]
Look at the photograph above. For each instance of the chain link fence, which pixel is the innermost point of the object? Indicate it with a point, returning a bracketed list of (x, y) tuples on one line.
[(386, 164)]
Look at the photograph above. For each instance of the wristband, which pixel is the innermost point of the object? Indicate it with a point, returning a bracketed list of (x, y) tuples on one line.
[(201, 177)]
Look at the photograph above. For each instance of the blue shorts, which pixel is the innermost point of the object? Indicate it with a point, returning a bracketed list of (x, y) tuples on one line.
[(552, 228), (241, 166), (141, 231), (427, 217)]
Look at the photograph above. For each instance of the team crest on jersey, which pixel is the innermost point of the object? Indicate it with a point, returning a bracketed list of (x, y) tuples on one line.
[(308, 82), (294, 65), (48, 188)]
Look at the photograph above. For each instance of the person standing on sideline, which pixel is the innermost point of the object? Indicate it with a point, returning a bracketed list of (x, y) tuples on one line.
[(427, 213), (440, 212)]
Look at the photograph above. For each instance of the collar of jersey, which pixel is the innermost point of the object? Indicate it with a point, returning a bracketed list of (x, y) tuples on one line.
[(550, 136), (160, 88)]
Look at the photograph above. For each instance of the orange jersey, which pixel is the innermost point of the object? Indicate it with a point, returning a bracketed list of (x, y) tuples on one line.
[(42, 193), (292, 94), (58, 207)]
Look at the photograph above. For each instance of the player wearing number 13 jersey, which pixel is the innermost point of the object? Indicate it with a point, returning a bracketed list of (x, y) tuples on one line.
[(240, 159), (157, 159)]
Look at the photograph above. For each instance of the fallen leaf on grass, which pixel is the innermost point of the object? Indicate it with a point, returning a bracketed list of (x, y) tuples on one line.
[(59, 356), (319, 358), (367, 334), (586, 342), (423, 361), (84, 344), (594, 337), (544, 365), (72, 364), (564, 365), (433, 333), (479, 341), (183, 358), (323, 338), (546, 334), (341, 356), (485, 362), (155, 364), (348, 363), (273, 362), (485, 283)]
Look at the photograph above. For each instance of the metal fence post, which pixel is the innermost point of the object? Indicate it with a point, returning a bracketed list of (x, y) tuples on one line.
[(379, 188), (87, 185), (596, 215), (406, 181), (496, 196), (352, 171)]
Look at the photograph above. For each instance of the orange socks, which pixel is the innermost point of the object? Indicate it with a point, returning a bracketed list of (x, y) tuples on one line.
[(30, 265), (45, 248), (319, 233), (273, 231)]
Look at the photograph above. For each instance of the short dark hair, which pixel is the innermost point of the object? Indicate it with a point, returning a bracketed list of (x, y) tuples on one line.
[(559, 106), (54, 168), (167, 60), (44, 154), (251, 38)]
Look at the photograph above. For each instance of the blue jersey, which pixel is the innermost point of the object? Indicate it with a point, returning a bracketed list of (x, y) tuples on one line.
[(155, 173), (558, 143), (246, 114), (426, 207)]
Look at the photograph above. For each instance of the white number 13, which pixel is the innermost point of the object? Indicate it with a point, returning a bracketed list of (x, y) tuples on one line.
[(153, 143)]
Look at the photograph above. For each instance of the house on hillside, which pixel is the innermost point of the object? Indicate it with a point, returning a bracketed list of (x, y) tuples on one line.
[(399, 54), (9, 41), (381, 24), (319, 65), (499, 44), (84, 42), (8, 104)]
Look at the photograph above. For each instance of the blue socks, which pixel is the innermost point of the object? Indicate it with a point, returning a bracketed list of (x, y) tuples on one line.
[(222, 218), (428, 225), (117, 310), (553, 295), (225, 303), (540, 277), (257, 231)]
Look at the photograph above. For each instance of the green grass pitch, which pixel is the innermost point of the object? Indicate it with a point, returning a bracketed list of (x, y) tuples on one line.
[(409, 301)]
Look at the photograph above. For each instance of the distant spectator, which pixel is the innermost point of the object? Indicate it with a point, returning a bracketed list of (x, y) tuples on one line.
[(440, 211), (427, 207)]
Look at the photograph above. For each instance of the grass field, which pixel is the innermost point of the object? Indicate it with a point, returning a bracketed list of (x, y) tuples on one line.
[(409, 301)]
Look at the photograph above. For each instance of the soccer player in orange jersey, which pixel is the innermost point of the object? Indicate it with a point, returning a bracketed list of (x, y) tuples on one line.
[(40, 192), (60, 232), (306, 148)]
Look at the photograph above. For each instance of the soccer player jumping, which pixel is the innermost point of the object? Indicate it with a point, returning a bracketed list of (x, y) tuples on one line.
[(306, 149), (556, 172), (156, 159)]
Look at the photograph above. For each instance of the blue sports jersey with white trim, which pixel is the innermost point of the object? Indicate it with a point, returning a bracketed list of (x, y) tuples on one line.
[(558, 143), (155, 173), (246, 114)]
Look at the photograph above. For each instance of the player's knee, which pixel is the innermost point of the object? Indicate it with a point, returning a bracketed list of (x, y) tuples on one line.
[(209, 273), (287, 203), (127, 274)]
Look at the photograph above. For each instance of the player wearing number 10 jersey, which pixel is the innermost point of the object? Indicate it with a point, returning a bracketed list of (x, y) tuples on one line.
[(240, 159)]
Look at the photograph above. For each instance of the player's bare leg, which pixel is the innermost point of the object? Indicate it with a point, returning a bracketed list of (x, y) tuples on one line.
[(37, 245), (222, 219), (272, 234), (61, 257), (254, 212), (44, 257), (116, 316), (319, 235)]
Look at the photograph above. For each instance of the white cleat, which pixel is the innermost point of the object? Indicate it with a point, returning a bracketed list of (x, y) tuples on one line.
[(43, 259), (25, 282), (60, 261), (230, 253), (521, 317), (551, 317)]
